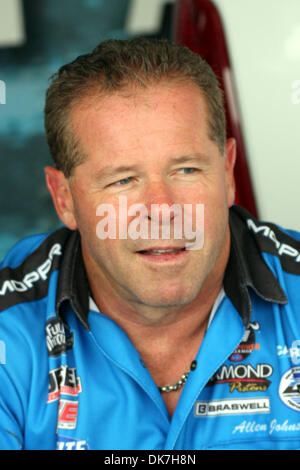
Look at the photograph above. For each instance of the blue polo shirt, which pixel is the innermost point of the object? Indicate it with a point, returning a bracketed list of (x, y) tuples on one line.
[(70, 378)]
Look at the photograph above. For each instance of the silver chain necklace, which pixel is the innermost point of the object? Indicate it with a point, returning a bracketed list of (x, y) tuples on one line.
[(180, 382)]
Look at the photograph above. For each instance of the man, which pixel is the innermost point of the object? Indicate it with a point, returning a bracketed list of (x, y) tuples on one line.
[(118, 336)]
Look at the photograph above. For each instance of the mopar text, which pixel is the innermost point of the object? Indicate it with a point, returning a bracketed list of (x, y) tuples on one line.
[(40, 273), (282, 248)]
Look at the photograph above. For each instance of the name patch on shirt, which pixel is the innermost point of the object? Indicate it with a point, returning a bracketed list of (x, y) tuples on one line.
[(231, 407)]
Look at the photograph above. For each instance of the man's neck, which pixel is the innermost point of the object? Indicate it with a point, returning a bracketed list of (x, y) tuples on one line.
[(170, 341), (167, 351), (165, 331)]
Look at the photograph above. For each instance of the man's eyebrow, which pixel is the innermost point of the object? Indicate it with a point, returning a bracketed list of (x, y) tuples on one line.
[(111, 171), (196, 157)]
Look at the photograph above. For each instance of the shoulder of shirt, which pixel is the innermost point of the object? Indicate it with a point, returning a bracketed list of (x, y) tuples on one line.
[(22, 249), (272, 239), (27, 268)]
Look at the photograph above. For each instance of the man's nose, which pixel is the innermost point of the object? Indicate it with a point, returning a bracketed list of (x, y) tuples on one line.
[(158, 195)]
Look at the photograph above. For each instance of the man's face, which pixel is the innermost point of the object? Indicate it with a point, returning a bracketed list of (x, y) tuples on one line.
[(151, 146)]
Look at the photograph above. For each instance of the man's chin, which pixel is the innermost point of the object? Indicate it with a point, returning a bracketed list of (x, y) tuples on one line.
[(167, 300), (177, 290), (161, 311)]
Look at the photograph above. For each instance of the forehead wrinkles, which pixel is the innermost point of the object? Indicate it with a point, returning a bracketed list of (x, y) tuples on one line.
[(102, 115), (95, 116)]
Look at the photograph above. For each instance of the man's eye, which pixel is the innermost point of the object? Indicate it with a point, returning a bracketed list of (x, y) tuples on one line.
[(188, 170), (124, 181)]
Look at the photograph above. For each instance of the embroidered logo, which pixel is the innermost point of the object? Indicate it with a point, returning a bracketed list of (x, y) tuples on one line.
[(229, 407), (247, 344), (244, 377), (57, 342), (63, 381), (289, 388)]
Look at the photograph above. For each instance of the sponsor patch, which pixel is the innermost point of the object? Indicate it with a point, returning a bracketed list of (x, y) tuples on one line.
[(56, 339), (69, 443), (67, 414), (230, 407), (247, 345), (289, 388), (63, 381), (244, 377)]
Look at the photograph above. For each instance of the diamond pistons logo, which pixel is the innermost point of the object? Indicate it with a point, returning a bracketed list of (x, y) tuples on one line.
[(244, 377)]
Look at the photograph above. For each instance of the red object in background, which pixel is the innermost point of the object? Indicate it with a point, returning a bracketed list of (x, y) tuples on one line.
[(197, 25)]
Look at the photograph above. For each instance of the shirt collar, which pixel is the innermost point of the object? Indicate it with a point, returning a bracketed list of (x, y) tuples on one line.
[(73, 284), (245, 269)]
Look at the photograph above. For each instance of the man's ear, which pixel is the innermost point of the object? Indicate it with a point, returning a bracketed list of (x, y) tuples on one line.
[(59, 188), (230, 159)]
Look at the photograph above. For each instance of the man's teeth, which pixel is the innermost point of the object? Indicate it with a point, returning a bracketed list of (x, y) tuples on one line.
[(161, 252)]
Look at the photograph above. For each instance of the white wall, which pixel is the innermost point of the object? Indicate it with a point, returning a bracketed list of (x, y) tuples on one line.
[(11, 23), (145, 16), (264, 45)]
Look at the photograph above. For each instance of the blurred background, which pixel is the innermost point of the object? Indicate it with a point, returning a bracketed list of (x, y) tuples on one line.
[(253, 46)]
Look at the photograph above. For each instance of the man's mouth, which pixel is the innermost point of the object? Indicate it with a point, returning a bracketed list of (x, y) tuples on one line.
[(161, 251)]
